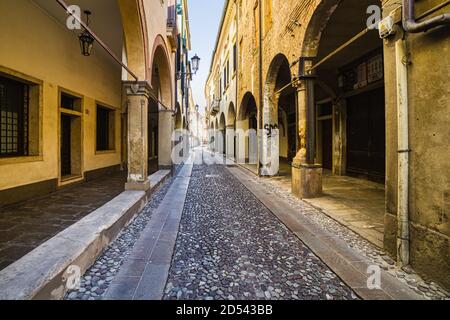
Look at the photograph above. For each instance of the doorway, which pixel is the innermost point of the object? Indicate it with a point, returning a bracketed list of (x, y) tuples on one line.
[(66, 162), (366, 136), (70, 137)]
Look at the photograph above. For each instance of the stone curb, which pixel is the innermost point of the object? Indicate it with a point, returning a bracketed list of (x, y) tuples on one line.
[(348, 264), (44, 273), (143, 275)]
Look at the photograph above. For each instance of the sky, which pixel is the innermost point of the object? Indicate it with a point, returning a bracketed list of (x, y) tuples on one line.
[(204, 20)]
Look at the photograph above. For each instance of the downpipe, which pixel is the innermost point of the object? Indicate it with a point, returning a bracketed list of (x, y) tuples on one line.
[(410, 25), (403, 153)]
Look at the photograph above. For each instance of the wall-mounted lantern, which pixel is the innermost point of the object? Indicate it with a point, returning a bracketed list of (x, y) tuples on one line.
[(86, 39)]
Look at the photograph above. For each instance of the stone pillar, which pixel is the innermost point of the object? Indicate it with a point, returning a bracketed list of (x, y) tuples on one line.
[(137, 94), (165, 143), (306, 176), (270, 139), (340, 137)]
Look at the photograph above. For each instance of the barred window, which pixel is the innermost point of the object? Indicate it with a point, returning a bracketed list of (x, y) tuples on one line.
[(14, 109)]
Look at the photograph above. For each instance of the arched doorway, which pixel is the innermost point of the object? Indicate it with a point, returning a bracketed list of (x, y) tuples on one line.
[(280, 112), (211, 136), (231, 131), (247, 135), (162, 89), (222, 135), (216, 136), (178, 118), (349, 107)]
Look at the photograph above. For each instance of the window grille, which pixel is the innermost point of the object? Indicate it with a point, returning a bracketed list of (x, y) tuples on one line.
[(14, 108)]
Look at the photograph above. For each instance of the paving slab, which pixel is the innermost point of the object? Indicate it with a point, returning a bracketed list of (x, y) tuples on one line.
[(26, 225), (150, 259)]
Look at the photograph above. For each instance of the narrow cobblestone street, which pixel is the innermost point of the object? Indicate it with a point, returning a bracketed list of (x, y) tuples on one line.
[(206, 235), (231, 247)]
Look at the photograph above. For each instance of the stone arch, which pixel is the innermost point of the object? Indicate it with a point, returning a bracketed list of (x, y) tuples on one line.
[(246, 131), (178, 117), (162, 67), (161, 80), (222, 133), (316, 26), (231, 115), (248, 104), (230, 131), (278, 78), (222, 122), (135, 37)]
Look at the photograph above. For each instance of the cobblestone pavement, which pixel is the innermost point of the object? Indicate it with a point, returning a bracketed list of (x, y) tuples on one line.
[(428, 289), (98, 278), (231, 247), (28, 224)]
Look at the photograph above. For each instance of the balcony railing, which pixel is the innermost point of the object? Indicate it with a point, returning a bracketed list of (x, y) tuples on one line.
[(215, 107)]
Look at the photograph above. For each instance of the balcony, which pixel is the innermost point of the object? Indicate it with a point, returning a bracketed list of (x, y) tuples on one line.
[(215, 107), (172, 28)]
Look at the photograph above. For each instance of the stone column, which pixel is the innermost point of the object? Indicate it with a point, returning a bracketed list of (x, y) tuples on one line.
[(165, 143), (137, 94), (306, 175)]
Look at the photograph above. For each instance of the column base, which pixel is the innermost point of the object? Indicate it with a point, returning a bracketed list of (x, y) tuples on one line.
[(137, 186), (306, 180)]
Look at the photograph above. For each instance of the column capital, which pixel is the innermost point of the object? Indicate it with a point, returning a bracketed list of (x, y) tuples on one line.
[(137, 88), (299, 84)]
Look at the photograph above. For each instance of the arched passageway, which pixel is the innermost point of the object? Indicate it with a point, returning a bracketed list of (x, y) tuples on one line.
[(231, 132), (280, 117), (247, 136), (348, 122), (162, 89), (222, 135)]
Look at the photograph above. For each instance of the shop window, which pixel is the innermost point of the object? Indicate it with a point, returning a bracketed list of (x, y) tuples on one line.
[(105, 129)]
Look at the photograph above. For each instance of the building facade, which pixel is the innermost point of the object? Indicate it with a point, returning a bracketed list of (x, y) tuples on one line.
[(331, 96), (66, 117), (183, 66), (221, 86)]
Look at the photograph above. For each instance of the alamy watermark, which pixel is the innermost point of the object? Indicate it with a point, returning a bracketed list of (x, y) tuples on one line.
[(73, 21)]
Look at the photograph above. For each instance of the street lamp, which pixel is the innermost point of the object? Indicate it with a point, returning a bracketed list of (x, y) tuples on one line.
[(86, 39), (195, 65)]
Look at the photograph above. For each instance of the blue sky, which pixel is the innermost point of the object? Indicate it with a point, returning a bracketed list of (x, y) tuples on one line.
[(204, 19)]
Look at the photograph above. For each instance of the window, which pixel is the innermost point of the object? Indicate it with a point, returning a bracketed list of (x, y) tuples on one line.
[(105, 129), (225, 81), (178, 57), (70, 102), (228, 71), (234, 57), (14, 109)]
